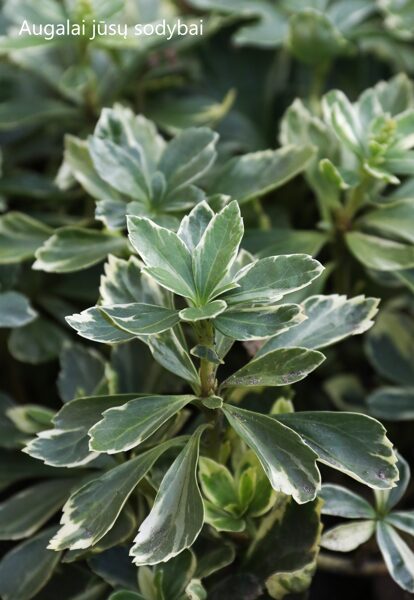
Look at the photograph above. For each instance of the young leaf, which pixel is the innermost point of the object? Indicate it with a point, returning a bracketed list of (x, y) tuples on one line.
[(194, 224), (217, 484), (345, 538), (167, 258), (209, 311), (188, 156), (340, 502), (350, 442), (216, 251), (254, 175), (258, 323), (269, 279), (120, 167), (329, 320), (93, 509), (279, 367), (177, 515), (141, 319), (397, 555), (288, 462), (26, 569), (125, 427)]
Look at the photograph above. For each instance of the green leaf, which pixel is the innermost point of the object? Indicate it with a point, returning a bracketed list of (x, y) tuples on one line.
[(92, 324), (15, 310), (125, 595), (379, 253), (177, 515), (30, 418), (82, 370), (258, 323), (20, 237), (350, 442), (283, 241), (340, 502), (38, 342), (217, 484), (188, 156), (10, 436), (125, 427), (216, 251), (167, 258), (279, 367), (26, 569), (345, 538), (22, 514), (168, 350), (269, 279), (387, 499), (392, 404), (209, 311), (222, 520), (141, 319), (206, 353), (120, 167), (329, 319), (284, 550), (288, 462), (74, 248), (389, 347), (254, 175), (194, 224), (403, 520), (395, 219), (397, 556), (93, 509), (124, 283)]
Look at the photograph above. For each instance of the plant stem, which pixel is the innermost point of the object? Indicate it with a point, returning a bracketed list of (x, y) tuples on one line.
[(347, 566), (207, 368)]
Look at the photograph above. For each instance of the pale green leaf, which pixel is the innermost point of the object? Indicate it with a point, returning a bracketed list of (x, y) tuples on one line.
[(20, 237), (125, 427), (279, 367), (403, 520), (93, 509), (37, 342), (15, 310), (340, 502), (93, 325), (177, 515), (379, 253), (398, 557), (350, 442), (194, 224), (73, 248), (254, 175), (395, 219), (392, 403), (329, 320), (345, 538), (141, 319), (258, 323), (82, 370), (167, 258), (288, 462), (269, 279), (208, 311), (216, 251), (188, 156)]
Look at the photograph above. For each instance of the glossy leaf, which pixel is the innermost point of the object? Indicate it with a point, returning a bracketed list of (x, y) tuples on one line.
[(177, 515), (93, 509), (345, 538), (350, 442), (288, 462), (329, 319), (15, 310), (340, 502), (125, 427), (141, 319), (398, 557), (279, 367)]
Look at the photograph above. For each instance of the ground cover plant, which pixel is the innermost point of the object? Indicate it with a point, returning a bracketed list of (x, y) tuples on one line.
[(206, 310)]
